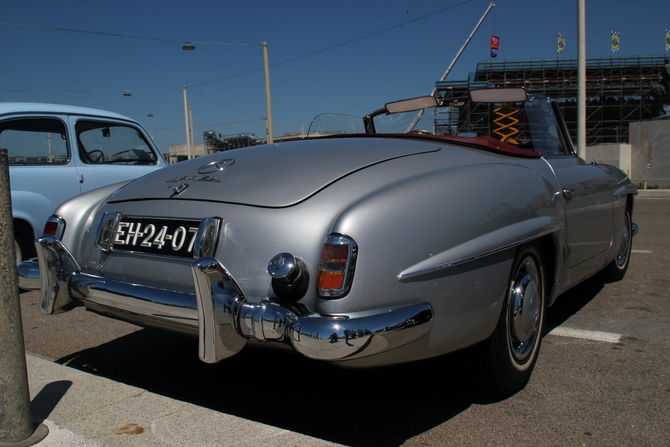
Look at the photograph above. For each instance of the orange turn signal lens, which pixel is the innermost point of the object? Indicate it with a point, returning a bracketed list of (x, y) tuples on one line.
[(330, 280)]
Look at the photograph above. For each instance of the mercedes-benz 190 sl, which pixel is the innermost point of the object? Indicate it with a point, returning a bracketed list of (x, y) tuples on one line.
[(372, 243)]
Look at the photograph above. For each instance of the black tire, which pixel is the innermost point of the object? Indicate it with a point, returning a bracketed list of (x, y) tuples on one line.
[(616, 269), (512, 351)]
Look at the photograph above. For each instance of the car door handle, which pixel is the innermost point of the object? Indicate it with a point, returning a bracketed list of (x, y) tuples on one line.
[(567, 192)]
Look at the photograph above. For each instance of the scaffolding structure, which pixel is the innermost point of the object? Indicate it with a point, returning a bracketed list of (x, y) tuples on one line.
[(616, 91), (218, 143)]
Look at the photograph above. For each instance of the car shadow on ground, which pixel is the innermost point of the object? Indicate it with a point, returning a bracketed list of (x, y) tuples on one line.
[(383, 406), (572, 301), (374, 407)]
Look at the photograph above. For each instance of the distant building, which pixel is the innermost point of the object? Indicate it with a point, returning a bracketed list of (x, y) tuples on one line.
[(615, 90), (622, 129), (179, 152), (219, 143), (215, 142)]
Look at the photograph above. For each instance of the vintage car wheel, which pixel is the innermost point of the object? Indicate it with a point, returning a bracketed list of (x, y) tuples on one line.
[(20, 248), (616, 270), (513, 348)]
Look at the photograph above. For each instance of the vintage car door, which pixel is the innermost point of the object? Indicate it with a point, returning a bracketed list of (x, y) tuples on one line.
[(585, 188), (111, 151), (587, 197)]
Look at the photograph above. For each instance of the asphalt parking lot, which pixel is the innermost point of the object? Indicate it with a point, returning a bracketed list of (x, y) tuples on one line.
[(602, 377)]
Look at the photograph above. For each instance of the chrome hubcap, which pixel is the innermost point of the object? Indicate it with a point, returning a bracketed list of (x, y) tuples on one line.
[(622, 255), (525, 311)]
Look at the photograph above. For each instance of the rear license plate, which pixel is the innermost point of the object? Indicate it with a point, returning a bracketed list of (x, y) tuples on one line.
[(157, 236)]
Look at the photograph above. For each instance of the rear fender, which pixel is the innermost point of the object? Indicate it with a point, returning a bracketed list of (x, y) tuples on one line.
[(447, 238), (77, 213)]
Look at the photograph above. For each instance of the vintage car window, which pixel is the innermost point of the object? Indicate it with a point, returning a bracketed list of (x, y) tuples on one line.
[(544, 127), (35, 141), (335, 124), (404, 122), (112, 143)]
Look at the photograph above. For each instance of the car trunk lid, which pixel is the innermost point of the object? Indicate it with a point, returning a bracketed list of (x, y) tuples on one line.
[(275, 175)]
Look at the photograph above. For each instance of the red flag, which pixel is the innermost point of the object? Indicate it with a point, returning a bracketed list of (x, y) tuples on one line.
[(495, 43)]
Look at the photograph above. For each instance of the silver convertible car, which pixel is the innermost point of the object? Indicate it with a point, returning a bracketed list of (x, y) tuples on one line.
[(370, 243)]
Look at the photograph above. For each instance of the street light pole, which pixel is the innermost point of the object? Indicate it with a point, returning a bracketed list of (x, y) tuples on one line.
[(268, 100), (581, 78), (186, 120), (190, 127)]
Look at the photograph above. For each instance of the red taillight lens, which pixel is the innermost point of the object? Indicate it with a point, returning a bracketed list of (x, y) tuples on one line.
[(336, 268), (54, 227), (50, 228)]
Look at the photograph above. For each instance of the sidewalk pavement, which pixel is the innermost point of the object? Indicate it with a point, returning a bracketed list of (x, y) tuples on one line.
[(81, 409)]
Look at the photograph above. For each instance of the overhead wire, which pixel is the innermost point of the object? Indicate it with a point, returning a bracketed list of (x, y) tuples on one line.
[(332, 47)]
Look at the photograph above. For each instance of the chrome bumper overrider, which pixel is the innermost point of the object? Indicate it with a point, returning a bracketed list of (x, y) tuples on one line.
[(29, 274), (222, 316)]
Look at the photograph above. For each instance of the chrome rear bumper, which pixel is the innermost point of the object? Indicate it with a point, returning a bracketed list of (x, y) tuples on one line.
[(220, 314)]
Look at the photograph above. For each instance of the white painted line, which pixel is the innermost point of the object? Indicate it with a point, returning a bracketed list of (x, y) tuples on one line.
[(642, 251), (587, 335)]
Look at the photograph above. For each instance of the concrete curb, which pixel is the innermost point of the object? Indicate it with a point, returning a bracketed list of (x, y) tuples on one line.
[(653, 194), (81, 409)]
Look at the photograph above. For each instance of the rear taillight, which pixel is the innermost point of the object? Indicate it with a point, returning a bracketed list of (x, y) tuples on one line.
[(336, 269), (55, 227)]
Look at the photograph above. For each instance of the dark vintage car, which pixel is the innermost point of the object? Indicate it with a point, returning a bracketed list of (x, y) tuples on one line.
[(386, 245)]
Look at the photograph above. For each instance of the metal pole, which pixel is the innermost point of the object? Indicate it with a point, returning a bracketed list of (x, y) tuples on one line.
[(188, 137), (190, 127), (16, 424), (458, 55), (581, 79), (268, 100)]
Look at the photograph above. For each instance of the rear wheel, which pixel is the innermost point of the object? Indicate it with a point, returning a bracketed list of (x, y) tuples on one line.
[(616, 269), (20, 248), (512, 350)]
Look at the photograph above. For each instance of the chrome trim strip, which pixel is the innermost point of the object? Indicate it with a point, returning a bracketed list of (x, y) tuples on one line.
[(475, 257)]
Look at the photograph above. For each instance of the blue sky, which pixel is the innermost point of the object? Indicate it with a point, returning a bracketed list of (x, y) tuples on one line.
[(339, 56)]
